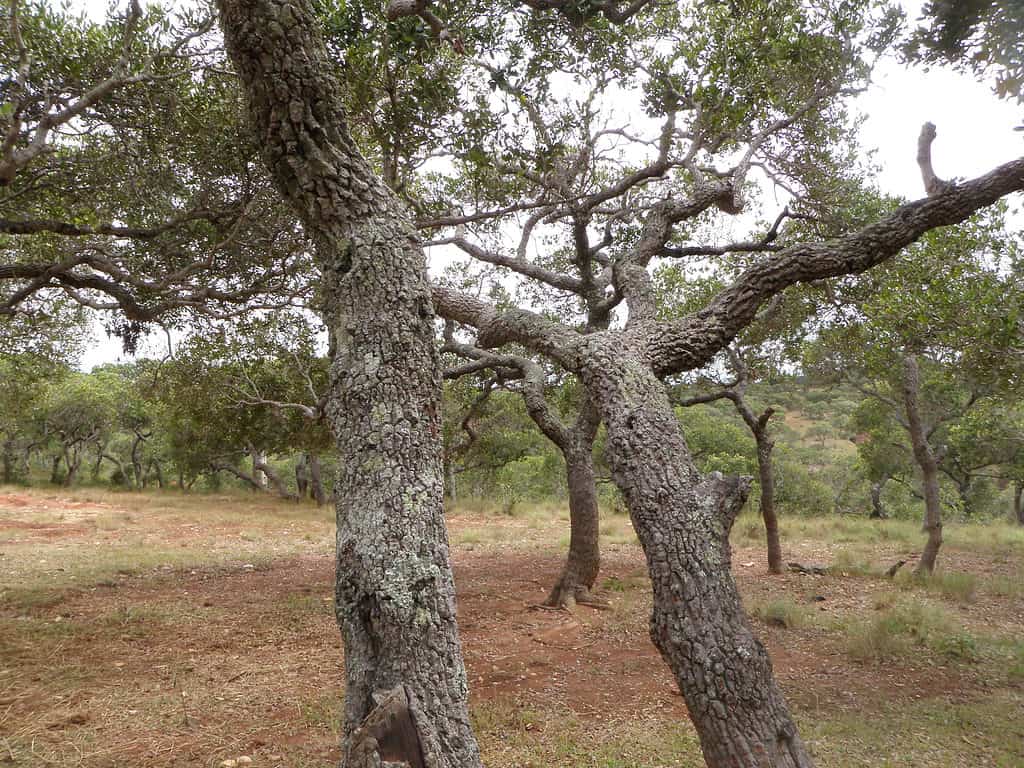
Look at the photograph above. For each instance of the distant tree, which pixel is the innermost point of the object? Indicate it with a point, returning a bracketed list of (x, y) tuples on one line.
[(930, 338)]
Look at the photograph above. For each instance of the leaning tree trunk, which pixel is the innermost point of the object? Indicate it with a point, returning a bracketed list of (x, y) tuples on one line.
[(395, 596), (925, 458), (683, 522), (766, 475), (583, 562), (262, 467)]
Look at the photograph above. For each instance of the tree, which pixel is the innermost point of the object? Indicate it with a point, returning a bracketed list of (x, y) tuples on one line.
[(576, 444), (395, 599), (981, 36), (126, 182), (930, 339)]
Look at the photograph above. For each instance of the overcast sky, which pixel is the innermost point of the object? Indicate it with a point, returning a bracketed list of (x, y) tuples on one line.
[(975, 134)]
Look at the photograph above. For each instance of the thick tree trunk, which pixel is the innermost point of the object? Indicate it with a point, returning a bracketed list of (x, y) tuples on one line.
[(1018, 501), (583, 562), (766, 475), (925, 458), (395, 596), (683, 522), (316, 483), (301, 476)]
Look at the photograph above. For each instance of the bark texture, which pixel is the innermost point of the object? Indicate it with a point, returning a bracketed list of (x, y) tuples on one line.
[(926, 460), (766, 475), (683, 522), (395, 599), (583, 562)]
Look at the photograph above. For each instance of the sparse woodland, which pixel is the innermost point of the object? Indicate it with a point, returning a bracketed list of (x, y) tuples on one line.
[(599, 302)]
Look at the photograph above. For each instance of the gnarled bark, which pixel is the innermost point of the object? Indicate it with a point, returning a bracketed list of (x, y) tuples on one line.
[(683, 522), (395, 598)]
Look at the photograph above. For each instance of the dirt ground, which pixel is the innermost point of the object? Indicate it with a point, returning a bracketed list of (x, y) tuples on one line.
[(209, 637)]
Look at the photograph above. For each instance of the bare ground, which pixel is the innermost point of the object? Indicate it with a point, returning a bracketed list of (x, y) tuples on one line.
[(212, 637)]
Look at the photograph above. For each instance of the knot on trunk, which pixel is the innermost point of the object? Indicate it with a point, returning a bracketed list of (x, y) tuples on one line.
[(725, 495), (395, 734), (398, 9)]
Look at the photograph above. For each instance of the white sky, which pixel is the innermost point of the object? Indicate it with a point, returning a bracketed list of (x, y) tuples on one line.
[(975, 134)]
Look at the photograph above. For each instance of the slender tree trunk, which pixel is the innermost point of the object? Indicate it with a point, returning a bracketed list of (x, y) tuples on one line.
[(158, 470), (877, 509), (301, 476), (451, 489), (55, 470), (1018, 501), (73, 460), (683, 522), (925, 458), (964, 490), (583, 562), (766, 474), (8, 462), (99, 463), (395, 596), (259, 459), (316, 483), (140, 480)]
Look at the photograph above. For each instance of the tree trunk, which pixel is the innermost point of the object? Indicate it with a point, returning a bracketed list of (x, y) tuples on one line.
[(683, 522), (395, 596), (8, 462), (259, 476), (316, 483), (301, 476), (451, 490), (260, 465), (925, 458), (877, 509), (766, 475), (155, 466), (1018, 501), (55, 470), (584, 559), (73, 459), (140, 480)]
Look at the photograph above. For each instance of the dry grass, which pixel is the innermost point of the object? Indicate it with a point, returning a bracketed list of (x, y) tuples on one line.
[(166, 630)]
